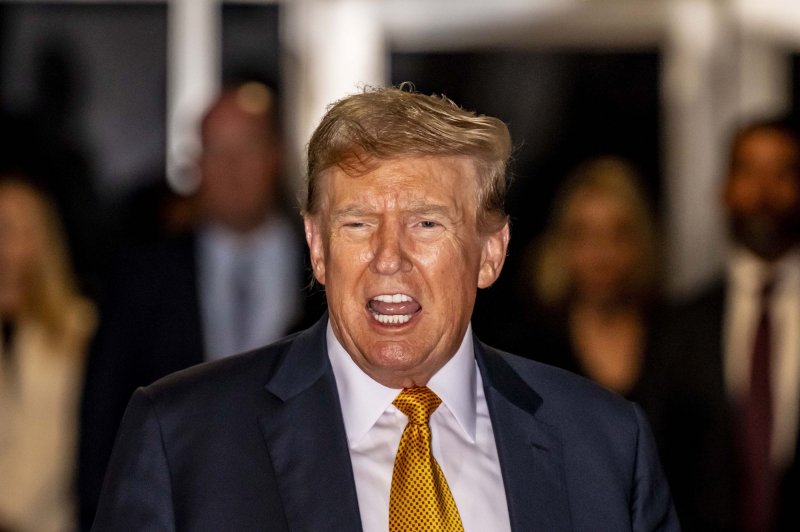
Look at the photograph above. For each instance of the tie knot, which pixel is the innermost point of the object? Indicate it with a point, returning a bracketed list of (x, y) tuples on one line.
[(417, 403)]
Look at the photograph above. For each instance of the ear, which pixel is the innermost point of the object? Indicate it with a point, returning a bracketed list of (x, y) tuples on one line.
[(493, 255), (316, 247)]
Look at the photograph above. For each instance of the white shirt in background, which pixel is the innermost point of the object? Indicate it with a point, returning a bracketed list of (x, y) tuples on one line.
[(274, 287), (746, 276)]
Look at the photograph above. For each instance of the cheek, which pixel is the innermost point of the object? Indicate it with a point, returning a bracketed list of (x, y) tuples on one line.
[(581, 253), (742, 194), (786, 195), (213, 173), (451, 270), (627, 258), (344, 265), (17, 263)]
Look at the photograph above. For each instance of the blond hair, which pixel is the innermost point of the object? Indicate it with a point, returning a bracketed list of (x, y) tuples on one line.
[(383, 123), (53, 300)]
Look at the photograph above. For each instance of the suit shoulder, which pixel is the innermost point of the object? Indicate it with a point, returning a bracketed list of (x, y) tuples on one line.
[(564, 391), (220, 377)]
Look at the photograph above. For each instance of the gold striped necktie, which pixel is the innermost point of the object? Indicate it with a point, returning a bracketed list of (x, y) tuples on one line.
[(420, 499)]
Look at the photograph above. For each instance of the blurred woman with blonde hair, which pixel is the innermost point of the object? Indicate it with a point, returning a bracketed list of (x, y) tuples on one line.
[(45, 328), (594, 274)]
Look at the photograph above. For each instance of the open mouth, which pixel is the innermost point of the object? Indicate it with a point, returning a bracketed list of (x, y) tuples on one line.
[(393, 309)]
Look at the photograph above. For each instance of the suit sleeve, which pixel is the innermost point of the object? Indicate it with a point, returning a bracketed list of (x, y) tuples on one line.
[(137, 493), (651, 502)]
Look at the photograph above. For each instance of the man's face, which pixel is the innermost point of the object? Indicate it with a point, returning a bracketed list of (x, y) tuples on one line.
[(399, 252), (239, 166), (762, 194)]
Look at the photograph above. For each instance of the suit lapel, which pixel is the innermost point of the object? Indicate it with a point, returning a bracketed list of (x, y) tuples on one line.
[(530, 450), (305, 437), (306, 441)]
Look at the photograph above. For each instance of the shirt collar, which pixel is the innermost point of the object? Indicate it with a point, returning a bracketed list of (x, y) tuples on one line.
[(220, 246), (364, 400), (748, 272)]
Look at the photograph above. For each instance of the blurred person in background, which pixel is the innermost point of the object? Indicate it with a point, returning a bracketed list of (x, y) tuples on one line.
[(724, 396), (234, 282), (593, 278), (46, 326)]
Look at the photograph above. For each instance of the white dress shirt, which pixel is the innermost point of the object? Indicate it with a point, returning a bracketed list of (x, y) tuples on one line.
[(462, 439), (274, 295), (746, 276)]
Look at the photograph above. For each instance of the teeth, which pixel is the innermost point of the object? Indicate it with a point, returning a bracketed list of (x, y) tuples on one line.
[(392, 298), (392, 319), (386, 319)]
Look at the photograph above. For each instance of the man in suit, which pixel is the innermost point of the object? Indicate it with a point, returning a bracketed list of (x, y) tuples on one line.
[(388, 413), (724, 390), (235, 282)]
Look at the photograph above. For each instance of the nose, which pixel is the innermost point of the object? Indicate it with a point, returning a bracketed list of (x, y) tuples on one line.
[(389, 255)]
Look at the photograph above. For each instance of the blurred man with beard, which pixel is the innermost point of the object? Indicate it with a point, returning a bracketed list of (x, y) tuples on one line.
[(725, 389)]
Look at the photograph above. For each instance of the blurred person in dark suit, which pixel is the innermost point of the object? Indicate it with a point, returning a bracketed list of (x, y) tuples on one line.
[(46, 326), (592, 279), (724, 393), (233, 283)]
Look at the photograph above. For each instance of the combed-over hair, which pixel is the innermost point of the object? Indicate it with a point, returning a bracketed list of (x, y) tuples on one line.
[(383, 123)]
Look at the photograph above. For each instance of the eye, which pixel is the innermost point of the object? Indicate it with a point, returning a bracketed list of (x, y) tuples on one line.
[(428, 224), (356, 228)]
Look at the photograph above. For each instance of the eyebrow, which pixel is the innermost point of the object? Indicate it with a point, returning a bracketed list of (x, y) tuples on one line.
[(429, 209), (418, 208), (350, 211)]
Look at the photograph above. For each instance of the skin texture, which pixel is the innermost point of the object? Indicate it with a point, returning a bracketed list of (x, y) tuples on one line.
[(762, 193), (407, 226)]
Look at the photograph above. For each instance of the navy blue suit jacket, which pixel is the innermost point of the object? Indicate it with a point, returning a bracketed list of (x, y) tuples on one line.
[(257, 442), (151, 326)]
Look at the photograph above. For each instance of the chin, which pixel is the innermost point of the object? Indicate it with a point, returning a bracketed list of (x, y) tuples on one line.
[(392, 356)]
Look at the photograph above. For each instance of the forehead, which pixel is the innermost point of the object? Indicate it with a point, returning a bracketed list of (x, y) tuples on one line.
[(20, 206), (391, 182), (19, 196), (765, 142), (596, 201), (228, 117)]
